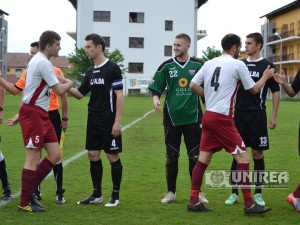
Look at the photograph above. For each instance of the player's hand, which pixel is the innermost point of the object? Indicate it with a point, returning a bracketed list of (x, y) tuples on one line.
[(61, 79), (116, 129), (269, 72), (156, 105), (64, 125), (273, 123), (280, 78), (13, 121)]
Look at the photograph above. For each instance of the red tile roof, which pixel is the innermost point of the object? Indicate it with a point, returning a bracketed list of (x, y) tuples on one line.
[(20, 60)]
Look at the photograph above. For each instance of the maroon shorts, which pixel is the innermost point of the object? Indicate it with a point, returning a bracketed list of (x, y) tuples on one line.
[(36, 126), (218, 132)]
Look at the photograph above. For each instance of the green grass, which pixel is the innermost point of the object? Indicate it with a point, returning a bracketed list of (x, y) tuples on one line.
[(143, 183)]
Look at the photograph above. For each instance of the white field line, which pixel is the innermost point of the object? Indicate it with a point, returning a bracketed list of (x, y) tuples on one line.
[(78, 155)]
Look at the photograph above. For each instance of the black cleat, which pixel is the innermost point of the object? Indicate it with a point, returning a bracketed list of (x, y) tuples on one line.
[(91, 200), (34, 201), (31, 208), (7, 196), (38, 195), (199, 207), (60, 196), (256, 209)]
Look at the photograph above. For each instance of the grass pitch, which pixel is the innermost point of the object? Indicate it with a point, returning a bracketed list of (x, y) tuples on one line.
[(144, 183)]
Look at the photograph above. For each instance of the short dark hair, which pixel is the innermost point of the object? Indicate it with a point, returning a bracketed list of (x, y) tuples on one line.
[(184, 36), (96, 39), (230, 40), (48, 38), (258, 38), (35, 44)]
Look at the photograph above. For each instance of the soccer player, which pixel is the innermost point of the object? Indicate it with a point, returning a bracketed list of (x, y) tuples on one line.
[(105, 107), (58, 123), (37, 129), (291, 90), (221, 77), (250, 114), (3, 173), (182, 110)]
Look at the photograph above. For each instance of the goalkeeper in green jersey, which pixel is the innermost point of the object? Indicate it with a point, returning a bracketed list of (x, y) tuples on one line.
[(182, 110)]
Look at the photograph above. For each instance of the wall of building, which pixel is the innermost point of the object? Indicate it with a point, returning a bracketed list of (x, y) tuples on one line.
[(287, 25), (119, 29)]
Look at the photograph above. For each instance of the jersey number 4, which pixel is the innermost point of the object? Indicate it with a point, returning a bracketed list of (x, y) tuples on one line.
[(215, 79)]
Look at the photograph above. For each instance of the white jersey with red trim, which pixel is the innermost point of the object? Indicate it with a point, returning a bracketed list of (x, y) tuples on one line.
[(221, 77), (40, 77)]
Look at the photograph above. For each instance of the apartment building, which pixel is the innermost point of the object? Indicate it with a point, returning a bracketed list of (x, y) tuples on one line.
[(142, 30), (281, 32)]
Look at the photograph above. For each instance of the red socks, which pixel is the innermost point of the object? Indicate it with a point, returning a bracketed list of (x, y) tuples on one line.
[(197, 178), (243, 168), (30, 180), (28, 177)]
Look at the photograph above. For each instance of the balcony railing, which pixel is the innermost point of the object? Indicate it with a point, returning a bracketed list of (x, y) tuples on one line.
[(285, 57), (284, 34)]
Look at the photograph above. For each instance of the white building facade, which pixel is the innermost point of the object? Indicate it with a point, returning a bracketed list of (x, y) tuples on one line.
[(142, 30)]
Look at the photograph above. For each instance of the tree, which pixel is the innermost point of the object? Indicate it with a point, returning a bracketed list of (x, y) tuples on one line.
[(210, 53), (81, 62)]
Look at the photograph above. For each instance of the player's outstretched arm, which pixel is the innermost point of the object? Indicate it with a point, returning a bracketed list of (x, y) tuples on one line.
[(10, 87), (268, 73), (281, 79), (75, 93), (62, 88), (198, 89)]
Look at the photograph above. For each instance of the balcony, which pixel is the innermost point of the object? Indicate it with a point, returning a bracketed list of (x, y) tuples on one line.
[(287, 58), (201, 34), (285, 34)]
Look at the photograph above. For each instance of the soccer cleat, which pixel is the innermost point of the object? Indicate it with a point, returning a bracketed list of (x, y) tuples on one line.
[(169, 197), (31, 208), (259, 200), (91, 200), (34, 201), (60, 196), (233, 198), (256, 209), (7, 196), (202, 198), (38, 195), (295, 202), (112, 202), (199, 207)]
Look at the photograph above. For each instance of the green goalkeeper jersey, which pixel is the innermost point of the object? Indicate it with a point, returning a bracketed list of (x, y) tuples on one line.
[(182, 104)]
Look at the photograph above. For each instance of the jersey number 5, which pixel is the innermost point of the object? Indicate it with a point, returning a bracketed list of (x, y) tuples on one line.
[(215, 79)]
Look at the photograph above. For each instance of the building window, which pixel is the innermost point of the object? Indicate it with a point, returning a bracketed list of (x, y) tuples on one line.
[(135, 17), (101, 16), (136, 67), (135, 42), (168, 25), (168, 50), (107, 41)]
